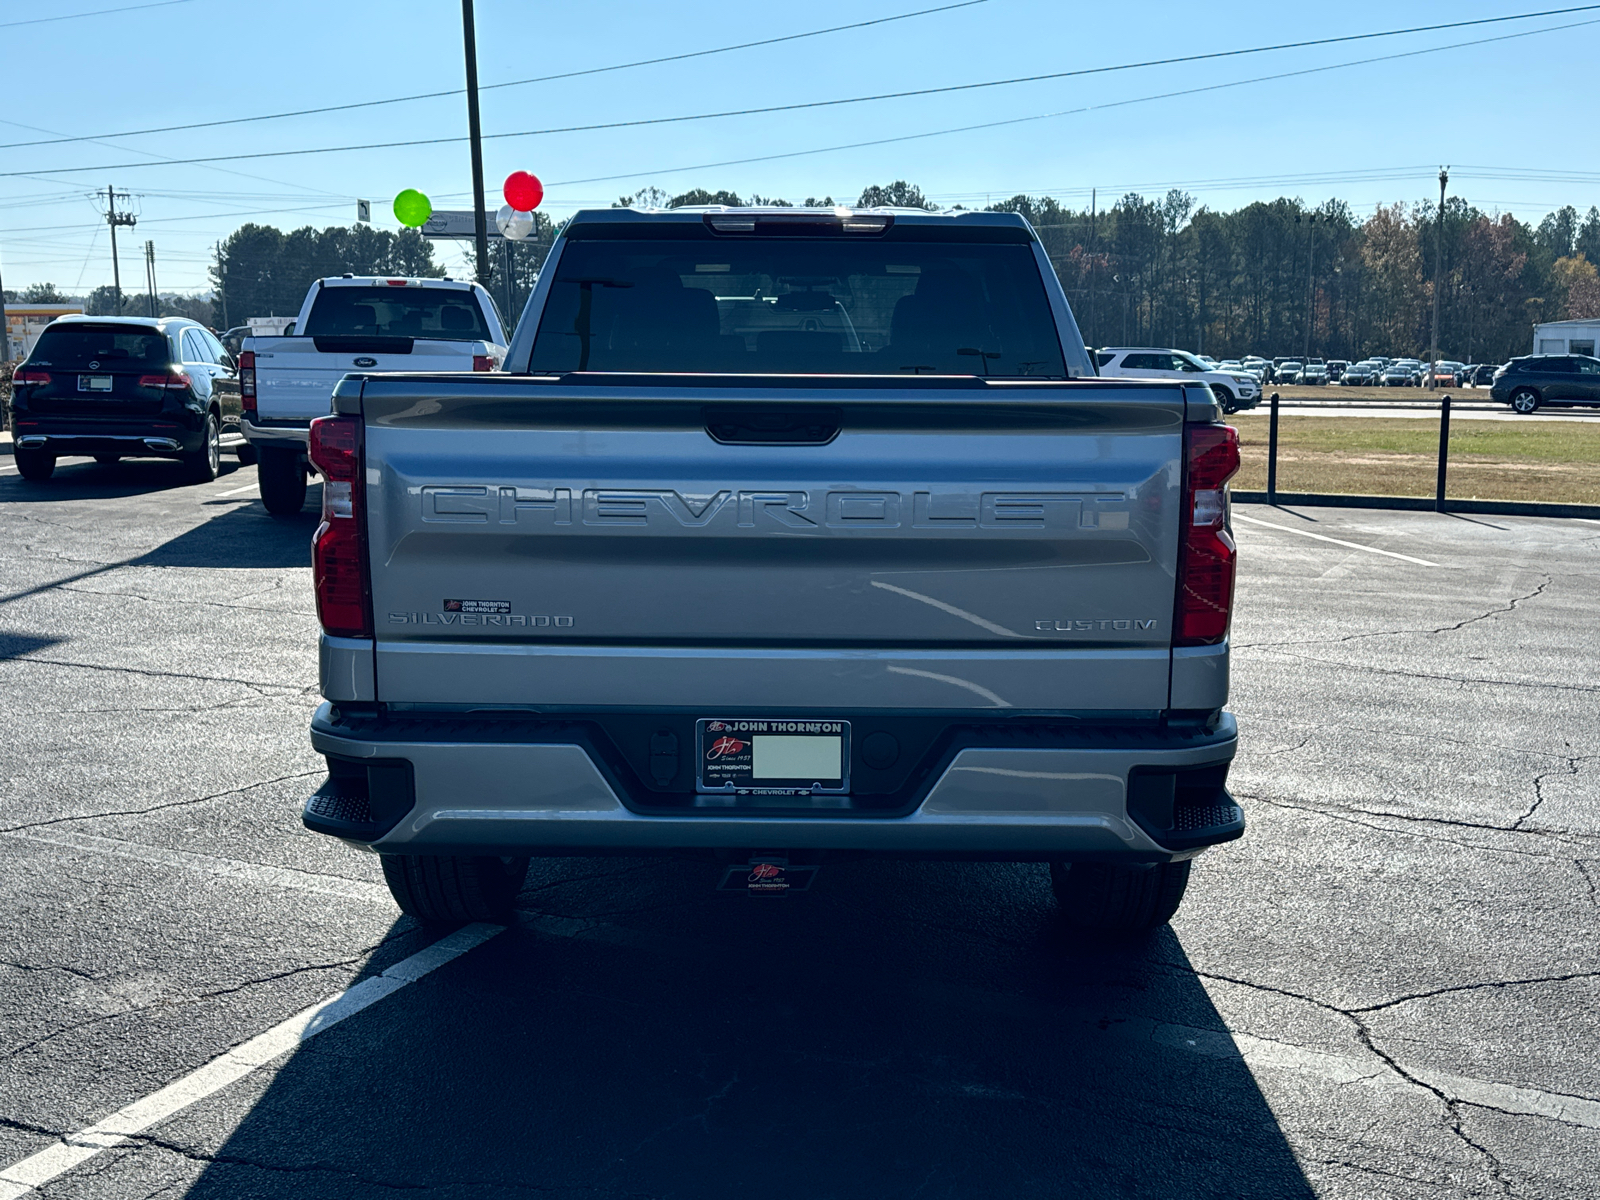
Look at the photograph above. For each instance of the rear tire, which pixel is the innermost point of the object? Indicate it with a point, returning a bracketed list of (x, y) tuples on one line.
[(36, 465), (282, 481), (1525, 401), (245, 453), (1119, 899), (205, 464), (445, 889)]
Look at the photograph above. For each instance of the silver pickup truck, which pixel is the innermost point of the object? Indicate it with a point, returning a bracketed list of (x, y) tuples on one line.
[(785, 535)]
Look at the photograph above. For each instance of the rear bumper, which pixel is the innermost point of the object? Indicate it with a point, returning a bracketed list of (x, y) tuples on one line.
[(277, 435), (476, 784), (163, 439)]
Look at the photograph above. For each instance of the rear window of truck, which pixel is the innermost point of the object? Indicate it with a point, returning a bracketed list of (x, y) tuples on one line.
[(787, 306), (441, 314), (107, 347)]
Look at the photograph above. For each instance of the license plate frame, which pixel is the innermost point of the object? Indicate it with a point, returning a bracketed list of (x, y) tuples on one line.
[(726, 750), (95, 383)]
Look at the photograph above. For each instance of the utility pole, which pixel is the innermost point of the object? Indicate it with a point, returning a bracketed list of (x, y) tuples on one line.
[(506, 252), (150, 277), (5, 330), (1092, 196), (1438, 261), (1311, 257), (480, 223), (222, 286), (114, 218)]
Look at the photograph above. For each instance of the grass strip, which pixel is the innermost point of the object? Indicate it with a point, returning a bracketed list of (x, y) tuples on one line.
[(1557, 462)]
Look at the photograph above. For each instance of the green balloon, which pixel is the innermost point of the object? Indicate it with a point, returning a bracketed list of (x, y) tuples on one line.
[(412, 208)]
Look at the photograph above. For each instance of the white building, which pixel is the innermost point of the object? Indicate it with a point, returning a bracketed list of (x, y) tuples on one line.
[(25, 322), (1567, 337)]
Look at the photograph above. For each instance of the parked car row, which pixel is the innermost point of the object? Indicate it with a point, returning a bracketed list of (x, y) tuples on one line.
[(1375, 371), (1526, 384)]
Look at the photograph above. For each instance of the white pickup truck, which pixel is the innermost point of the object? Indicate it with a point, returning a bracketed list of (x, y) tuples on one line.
[(353, 323)]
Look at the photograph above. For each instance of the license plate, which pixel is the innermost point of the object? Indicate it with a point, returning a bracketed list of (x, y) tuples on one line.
[(766, 757), (94, 383)]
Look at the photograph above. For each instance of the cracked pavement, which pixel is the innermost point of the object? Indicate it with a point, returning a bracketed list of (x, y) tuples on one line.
[(1389, 988)]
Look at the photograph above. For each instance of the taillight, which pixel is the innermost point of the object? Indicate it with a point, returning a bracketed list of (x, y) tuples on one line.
[(174, 380), (1206, 553), (338, 550), (247, 380), (22, 377), (482, 362)]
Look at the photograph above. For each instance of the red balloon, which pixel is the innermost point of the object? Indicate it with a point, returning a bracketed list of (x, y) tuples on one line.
[(523, 191)]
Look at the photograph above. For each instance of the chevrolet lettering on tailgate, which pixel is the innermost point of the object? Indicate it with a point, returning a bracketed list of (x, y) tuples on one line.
[(505, 504)]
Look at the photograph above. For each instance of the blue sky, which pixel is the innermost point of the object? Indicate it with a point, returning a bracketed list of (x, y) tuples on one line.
[(1507, 116)]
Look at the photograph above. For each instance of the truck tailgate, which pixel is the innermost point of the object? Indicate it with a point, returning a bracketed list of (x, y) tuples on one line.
[(295, 379), (965, 547)]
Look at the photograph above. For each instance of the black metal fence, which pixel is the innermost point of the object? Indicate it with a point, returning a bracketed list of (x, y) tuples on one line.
[(1439, 503)]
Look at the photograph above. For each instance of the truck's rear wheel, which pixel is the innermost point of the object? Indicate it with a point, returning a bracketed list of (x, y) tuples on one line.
[(282, 481), (437, 887), (1117, 898)]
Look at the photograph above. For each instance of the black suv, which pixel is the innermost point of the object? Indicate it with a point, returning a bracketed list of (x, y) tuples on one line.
[(124, 387), (1564, 379)]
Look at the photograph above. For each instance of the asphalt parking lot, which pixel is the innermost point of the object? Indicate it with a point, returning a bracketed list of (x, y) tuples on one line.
[(1388, 988)]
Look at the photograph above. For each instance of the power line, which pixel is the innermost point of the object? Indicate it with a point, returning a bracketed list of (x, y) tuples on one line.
[(644, 62), (1069, 112), (253, 212), (1398, 174), (162, 159), (961, 87), (100, 12)]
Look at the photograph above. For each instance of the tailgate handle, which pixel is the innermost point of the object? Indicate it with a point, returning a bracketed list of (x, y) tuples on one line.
[(811, 425)]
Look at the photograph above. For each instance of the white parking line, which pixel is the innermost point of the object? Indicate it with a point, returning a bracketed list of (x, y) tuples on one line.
[(1322, 537), (56, 1160), (249, 487), (258, 874)]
